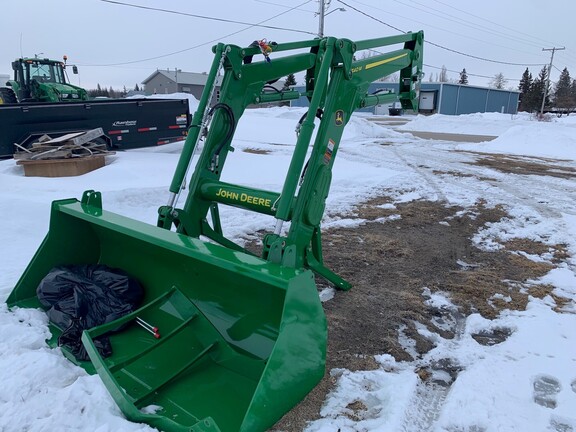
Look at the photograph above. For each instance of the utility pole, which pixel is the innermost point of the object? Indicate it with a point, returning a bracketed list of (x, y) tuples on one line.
[(322, 14), (176, 69), (321, 11), (554, 49)]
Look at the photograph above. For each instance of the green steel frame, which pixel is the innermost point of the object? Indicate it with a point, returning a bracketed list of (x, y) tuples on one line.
[(336, 85)]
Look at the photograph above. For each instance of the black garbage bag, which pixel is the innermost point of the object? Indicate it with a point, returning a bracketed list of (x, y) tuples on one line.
[(84, 296)]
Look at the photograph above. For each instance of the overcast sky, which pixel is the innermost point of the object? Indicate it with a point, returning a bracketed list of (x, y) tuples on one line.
[(117, 45)]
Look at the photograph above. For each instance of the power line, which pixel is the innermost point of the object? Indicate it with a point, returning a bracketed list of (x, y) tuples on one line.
[(213, 18), (428, 25), (535, 44), (467, 73), (371, 17), (441, 46), (483, 58), (469, 24), (509, 29), (488, 21), (284, 6), (195, 46)]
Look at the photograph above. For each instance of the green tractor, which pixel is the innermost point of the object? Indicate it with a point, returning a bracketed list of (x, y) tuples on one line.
[(40, 80)]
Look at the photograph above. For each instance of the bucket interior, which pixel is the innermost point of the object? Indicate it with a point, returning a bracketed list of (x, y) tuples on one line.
[(180, 374)]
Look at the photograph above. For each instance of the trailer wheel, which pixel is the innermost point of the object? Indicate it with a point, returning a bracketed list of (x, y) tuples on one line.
[(7, 96)]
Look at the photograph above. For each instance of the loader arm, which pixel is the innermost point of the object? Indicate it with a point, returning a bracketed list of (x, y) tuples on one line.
[(222, 341), (336, 86)]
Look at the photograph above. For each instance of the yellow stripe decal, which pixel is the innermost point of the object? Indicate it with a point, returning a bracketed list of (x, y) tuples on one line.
[(381, 62)]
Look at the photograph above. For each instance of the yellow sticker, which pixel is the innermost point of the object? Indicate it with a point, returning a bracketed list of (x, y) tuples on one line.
[(381, 62)]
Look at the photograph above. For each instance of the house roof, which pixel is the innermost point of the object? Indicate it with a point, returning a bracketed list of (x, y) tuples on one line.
[(191, 78)]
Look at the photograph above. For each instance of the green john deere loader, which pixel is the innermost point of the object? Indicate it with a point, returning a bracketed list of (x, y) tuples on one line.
[(40, 80), (226, 340)]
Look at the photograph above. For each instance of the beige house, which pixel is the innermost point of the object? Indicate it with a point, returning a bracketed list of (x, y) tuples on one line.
[(176, 81)]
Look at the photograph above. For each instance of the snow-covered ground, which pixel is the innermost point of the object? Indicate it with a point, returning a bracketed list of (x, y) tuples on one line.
[(526, 383)]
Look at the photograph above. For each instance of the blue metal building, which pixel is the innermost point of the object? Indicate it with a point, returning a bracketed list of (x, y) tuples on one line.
[(450, 99), (454, 99)]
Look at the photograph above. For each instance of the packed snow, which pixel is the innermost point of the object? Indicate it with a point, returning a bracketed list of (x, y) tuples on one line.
[(526, 383)]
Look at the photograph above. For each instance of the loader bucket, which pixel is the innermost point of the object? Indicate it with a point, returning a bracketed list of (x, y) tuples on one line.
[(237, 342)]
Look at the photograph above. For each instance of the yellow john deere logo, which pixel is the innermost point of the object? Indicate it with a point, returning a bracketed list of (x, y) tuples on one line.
[(339, 118)]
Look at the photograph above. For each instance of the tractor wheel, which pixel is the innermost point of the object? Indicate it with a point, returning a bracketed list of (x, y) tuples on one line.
[(7, 96)]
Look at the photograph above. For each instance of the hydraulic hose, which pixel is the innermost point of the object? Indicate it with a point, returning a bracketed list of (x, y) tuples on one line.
[(229, 133), (319, 113)]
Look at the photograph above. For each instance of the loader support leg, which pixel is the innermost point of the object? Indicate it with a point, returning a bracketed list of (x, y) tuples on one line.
[(315, 262)]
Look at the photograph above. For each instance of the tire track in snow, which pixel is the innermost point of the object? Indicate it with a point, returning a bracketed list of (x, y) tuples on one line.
[(429, 178), (548, 196)]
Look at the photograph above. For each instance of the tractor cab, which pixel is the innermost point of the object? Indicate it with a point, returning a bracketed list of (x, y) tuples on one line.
[(43, 80)]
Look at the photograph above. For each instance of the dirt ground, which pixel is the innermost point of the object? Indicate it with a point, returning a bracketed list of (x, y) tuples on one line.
[(390, 264)]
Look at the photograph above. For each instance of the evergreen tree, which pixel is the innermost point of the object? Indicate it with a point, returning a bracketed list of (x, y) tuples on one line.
[(290, 81), (563, 97), (100, 91), (463, 77), (524, 87), (532, 100), (136, 88), (533, 97), (543, 81), (97, 92)]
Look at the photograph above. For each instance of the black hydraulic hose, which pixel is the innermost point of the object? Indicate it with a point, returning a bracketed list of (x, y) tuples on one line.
[(230, 131), (319, 114), (270, 87)]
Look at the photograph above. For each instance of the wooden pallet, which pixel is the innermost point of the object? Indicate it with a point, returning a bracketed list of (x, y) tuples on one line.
[(61, 167)]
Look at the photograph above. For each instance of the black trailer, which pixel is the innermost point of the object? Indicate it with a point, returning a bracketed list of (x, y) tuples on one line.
[(127, 123)]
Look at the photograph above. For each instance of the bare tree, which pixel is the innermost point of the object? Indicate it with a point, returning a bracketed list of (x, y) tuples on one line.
[(498, 82), (389, 78), (443, 77)]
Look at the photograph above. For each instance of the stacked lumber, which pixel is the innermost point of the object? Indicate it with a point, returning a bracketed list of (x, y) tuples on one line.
[(73, 145), (68, 155)]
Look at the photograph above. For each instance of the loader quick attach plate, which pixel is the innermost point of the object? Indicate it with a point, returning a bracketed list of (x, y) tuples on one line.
[(241, 340)]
